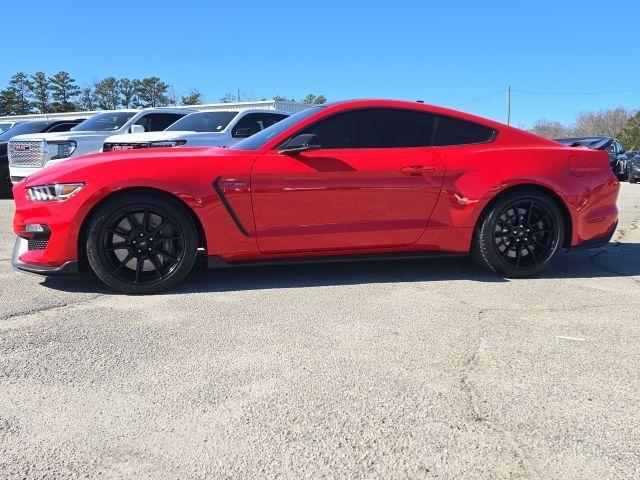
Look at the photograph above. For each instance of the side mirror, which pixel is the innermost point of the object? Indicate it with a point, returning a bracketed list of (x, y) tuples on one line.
[(137, 129), (242, 132), (301, 143)]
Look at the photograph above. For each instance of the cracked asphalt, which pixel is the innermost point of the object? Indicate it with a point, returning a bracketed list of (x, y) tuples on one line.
[(422, 369)]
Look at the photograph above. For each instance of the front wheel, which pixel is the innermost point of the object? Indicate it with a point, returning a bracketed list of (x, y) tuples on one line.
[(519, 235), (141, 243)]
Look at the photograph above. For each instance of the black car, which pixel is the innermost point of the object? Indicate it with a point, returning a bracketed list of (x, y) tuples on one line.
[(21, 128), (618, 157), (633, 168)]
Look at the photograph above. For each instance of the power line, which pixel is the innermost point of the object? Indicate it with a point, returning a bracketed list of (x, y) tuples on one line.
[(604, 92), (481, 98)]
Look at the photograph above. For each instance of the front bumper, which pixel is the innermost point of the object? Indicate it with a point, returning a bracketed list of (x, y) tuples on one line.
[(69, 268)]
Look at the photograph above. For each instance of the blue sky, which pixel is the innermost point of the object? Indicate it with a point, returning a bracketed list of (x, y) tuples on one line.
[(446, 53)]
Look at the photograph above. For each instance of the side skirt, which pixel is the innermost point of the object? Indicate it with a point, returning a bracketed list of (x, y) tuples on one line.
[(214, 261)]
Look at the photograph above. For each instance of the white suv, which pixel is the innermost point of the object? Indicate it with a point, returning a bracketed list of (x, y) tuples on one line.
[(219, 128), (31, 153)]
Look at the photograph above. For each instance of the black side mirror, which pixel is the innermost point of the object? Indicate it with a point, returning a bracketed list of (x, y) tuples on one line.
[(301, 143)]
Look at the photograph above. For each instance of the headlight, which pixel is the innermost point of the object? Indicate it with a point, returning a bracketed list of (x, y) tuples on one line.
[(59, 150), (167, 144), (54, 193)]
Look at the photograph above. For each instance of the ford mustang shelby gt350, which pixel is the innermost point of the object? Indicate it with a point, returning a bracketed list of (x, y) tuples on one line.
[(351, 180)]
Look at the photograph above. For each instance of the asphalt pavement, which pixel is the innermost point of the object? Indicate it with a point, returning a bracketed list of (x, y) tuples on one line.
[(408, 369)]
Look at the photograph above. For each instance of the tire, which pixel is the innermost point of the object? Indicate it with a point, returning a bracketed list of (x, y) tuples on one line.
[(141, 243), (630, 177), (519, 234), (5, 182)]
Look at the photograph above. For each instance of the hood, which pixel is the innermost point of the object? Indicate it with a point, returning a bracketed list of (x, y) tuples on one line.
[(60, 136), (160, 136), (80, 169)]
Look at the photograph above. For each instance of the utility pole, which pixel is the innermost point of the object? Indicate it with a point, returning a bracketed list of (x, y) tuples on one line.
[(509, 105), (238, 96)]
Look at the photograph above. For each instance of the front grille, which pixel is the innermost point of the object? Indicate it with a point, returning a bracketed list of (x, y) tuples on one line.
[(26, 153), (37, 244), (110, 147)]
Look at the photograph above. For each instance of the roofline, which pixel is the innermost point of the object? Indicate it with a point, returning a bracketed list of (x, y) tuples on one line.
[(261, 105)]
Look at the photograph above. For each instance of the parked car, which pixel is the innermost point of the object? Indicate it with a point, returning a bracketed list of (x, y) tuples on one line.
[(221, 128), (633, 168), (21, 128), (30, 153), (351, 180), (618, 158)]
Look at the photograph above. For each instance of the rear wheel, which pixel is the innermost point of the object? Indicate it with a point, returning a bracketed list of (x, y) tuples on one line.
[(5, 181), (141, 243), (519, 235)]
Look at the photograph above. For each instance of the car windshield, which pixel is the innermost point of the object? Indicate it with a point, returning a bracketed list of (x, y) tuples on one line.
[(22, 129), (203, 122), (261, 138), (4, 127), (104, 122)]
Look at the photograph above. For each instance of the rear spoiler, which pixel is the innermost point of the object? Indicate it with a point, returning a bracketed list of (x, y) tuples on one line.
[(590, 143)]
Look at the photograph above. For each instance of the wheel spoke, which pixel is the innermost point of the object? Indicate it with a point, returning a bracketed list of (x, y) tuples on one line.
[(167, 239), (145, 218), (167, 255), (154, 262), (116, 246), (544, 230), (120, 233), (123, 263), (132, 223), (531, 251), (161, 226), (139, 265), (538, 244), (529, 214), (518, 256)]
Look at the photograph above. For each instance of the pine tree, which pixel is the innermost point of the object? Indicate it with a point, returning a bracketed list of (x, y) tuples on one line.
[(107, 93), (194, 97), (21, 91), (40, 90), (65, 91)]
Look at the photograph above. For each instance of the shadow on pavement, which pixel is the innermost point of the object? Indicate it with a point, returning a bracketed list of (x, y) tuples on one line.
[(614, 260)]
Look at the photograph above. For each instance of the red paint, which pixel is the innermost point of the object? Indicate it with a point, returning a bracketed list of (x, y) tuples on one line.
[(332, 202)]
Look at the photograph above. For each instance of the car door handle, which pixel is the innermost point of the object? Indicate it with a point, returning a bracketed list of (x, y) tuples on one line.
[(418, 170)]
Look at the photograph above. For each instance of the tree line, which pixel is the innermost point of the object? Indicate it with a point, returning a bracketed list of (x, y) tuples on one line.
[(619, 123), (39, 93)]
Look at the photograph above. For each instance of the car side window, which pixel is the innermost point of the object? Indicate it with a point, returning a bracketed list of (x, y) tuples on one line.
[(157, 122), (272, 118), (453, 131), (249, 124), (374, 128), (62, 127)]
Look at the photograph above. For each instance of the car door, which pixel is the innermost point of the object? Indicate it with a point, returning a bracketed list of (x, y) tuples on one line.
[(373, 183)]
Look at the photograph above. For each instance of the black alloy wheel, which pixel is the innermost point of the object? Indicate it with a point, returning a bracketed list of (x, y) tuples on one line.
[(519, 234), (141, 243), (525, 234)]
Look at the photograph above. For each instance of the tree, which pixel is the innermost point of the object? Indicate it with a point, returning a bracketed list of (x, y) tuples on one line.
[(40, 90), (153, 92), (106, 93), (550, 129), (604, 122), (8, 101), (194, 97), (315, 100), (280, 98), (228, 98), (64, 91), (129, 91), (630, 134), (86, 100), (20, 90)]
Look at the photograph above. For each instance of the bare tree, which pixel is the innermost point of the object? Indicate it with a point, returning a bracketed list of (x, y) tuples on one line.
[(604, 122), (550, 129)]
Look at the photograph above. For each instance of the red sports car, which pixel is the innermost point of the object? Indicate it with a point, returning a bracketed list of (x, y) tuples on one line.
[(351, 180)]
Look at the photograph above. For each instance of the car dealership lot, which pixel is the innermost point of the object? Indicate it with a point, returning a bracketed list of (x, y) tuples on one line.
[(403, 369)]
